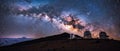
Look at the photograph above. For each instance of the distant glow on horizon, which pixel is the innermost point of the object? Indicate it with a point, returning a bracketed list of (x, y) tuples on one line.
[(39, 18)]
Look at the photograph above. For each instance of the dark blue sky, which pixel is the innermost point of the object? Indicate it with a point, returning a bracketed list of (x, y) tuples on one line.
[(103, 13)]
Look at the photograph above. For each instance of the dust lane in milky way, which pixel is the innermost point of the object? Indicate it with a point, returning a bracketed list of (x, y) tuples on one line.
[(36, 18)]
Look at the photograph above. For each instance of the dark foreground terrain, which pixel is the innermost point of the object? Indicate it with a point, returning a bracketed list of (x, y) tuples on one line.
[(62, 43)]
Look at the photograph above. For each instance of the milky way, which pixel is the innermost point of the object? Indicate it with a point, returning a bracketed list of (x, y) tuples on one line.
[(37, 18)]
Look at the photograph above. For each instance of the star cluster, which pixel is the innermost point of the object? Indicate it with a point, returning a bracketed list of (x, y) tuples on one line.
[(31, 18)]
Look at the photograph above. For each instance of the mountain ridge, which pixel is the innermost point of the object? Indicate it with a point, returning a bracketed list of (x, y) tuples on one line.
[(62, 42)]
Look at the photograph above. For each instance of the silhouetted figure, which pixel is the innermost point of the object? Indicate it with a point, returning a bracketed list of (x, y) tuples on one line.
[(103, 35), (87, 35)]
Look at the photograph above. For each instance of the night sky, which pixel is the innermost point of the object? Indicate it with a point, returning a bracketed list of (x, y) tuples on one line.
[(22, 18)]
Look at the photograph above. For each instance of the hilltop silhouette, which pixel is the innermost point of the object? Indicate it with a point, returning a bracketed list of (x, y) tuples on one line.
[(62, 42)]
